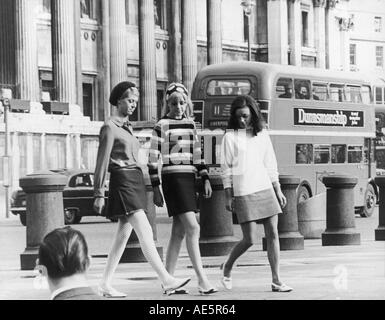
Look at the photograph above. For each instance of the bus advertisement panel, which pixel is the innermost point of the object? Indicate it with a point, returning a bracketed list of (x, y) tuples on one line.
[(320, 122)]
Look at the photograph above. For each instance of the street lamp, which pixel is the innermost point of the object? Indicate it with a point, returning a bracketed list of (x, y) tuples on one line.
[(247, 6), (5, 96)]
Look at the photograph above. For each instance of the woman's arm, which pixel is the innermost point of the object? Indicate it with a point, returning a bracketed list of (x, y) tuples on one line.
[(227, 172)]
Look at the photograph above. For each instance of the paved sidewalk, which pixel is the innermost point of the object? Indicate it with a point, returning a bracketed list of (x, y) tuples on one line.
[(320, 273)]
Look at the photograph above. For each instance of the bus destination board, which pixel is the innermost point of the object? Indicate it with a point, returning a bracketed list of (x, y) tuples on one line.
[(328, 118)]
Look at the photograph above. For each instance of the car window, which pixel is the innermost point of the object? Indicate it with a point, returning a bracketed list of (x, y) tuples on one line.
[(83, 180)]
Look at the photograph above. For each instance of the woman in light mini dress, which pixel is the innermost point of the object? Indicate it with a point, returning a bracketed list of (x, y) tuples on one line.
[(251, 182)]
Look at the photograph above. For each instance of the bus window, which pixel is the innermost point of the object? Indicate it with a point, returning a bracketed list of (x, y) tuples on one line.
[(228, 87), (354, 154), (302, 89), (336, 92), (338, 153), (365, 92), (284, 88), (320, 91), (379, 95), (304, 153), (321, 154), (353, 94)]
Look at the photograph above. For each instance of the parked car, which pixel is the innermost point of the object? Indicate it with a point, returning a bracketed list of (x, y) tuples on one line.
[(77, 197)]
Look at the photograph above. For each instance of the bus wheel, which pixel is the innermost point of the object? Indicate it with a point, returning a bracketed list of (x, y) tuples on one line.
[(71, 216), (369, 202), (303, 194)]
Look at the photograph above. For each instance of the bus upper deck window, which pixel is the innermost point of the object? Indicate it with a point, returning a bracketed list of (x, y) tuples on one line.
[(353, 94), (284, 88), (379, 95), (302, 89), (320, 91), (228, 87), (366, 97), (337, 92)]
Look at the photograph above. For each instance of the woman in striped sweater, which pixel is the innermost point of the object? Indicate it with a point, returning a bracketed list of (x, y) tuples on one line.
[(175, 143)]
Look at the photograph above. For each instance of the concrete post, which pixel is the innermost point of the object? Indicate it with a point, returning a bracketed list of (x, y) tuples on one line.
[(45, 211), (216, 236), (340, 223), (133, 251), (380, 231), (289, 236)]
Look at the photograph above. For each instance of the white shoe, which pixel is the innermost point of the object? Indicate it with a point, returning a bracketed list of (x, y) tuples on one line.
[(109, 292), (179, 283), (227, 282), (280, 288)]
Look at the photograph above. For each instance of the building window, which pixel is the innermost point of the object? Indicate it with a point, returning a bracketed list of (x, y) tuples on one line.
[(380, 56), (353, 54), (46, 6), (377, 24), (305, 29), (132, 12), (160, 14)]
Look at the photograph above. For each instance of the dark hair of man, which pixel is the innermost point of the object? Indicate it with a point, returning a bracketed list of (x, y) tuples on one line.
[(257, 120), (64, 252)]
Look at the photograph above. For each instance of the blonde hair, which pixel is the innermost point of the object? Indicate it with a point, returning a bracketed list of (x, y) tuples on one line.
[(189, 105)]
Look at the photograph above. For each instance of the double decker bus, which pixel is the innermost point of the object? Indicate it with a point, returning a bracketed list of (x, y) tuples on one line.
[(321, 122)]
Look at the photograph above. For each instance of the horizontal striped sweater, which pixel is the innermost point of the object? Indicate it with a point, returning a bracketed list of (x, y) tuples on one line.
[(175, 144)]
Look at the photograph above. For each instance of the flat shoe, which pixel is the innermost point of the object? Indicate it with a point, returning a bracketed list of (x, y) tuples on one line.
[(227, 282), (110, 293), (280, 288), (207, 292), (177, 291), (181, 283)]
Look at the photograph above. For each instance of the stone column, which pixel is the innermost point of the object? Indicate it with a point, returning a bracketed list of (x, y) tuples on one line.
[(189, 43), (329, 28), (78, 55), (7, 42), (319, 32), (63, 50), (175, 45), (295, 32), (214, 31), (277, 31), (27, 77), (106, 58), (147, 68), (118, 49)]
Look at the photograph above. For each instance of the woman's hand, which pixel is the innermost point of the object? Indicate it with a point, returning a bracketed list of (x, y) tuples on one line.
[(207, 188), (98, 205), (158, 198), (281, 199), (229, 199)]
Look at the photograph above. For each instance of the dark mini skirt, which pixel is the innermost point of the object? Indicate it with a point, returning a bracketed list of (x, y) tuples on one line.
[(179, 193), (257, 206), (127, 192)]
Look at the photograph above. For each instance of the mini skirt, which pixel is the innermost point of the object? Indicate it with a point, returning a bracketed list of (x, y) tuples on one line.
[(179, 193), (257, 206), (127, 192)]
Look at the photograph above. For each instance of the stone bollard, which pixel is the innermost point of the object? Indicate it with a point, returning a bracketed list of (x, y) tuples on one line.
[(45, 211), (340, 217), (133, 251), (289, 236), (380, 231), (216, 223)]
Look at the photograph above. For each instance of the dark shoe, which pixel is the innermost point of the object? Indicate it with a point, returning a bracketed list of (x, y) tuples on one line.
[(207, 292)]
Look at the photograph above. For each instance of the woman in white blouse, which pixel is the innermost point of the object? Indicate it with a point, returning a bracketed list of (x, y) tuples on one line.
[(251, 182)]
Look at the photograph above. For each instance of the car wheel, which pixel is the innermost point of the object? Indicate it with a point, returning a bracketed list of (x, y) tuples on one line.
[(23, 218), (71, 216), (303, 194), (370, 200)]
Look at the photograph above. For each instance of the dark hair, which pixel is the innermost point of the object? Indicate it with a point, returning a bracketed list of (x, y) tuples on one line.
[(64, 252), (257, 120), (118, 91)]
